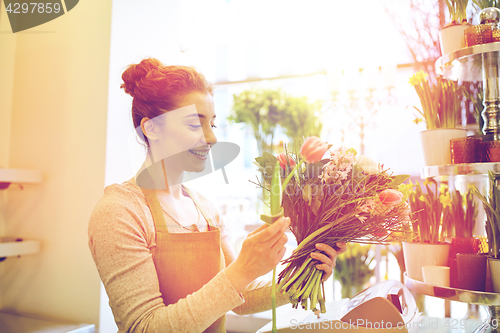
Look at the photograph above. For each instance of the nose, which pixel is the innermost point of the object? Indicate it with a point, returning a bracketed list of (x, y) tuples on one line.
[(209, 137)]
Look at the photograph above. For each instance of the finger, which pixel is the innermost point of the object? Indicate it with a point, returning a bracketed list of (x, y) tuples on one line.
[(342, 247), (280, 255), (323, 258), (273, 231), (280, 243), (328, 271), (259, 229), (330, 251)]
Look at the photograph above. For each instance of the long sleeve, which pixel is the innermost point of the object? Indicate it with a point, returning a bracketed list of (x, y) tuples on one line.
[(257, 294), (121, 239)]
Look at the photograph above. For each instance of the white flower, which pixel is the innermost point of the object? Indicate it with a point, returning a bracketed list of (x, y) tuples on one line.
[(368, 165)]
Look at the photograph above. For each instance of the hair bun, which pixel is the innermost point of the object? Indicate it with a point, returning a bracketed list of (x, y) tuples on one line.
[(133, 75)]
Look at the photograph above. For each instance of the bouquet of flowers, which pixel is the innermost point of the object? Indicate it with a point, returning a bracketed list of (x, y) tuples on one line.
[(346, 198)]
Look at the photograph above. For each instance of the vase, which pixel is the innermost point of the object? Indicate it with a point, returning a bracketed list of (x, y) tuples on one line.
[(471, 269), (418, 255), (452, 37), (495, 273), (436, 144)]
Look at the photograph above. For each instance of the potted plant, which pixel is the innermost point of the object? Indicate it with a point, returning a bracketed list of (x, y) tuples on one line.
[(425, 240), (491, 205), (452, 36), (441, 109), (459, 215), (353, 269), (261, 109), (266, 110)]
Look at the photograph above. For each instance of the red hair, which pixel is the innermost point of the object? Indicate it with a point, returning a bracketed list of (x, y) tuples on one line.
[(157, 88)]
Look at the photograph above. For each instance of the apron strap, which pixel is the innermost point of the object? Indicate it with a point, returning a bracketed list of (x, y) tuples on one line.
[(156, 211), (200, 207)]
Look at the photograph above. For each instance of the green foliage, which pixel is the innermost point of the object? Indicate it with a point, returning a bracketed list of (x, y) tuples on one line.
[(353, 268), (459, 213), (441, 102), (426, 210), (458, 9), (491, 206), (266, 109)]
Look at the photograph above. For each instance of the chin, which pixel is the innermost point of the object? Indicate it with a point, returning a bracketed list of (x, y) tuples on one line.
[(196, 168)]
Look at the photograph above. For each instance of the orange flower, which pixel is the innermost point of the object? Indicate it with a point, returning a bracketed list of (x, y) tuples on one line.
[(390, 197), (285, 160), (313, 149)]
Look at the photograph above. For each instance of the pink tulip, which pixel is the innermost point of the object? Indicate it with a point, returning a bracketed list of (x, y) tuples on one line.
[(313, 149), (390, 197), (285, 161)]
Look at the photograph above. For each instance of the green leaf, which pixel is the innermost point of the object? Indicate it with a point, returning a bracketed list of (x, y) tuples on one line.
[(397, 180), (276, 191)]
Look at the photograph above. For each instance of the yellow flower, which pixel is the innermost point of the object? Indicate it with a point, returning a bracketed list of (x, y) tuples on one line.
[(418, 78), (418, 120), (443, 188), (445, 200), (406, 189)]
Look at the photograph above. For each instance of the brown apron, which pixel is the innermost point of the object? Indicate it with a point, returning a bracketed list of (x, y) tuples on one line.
[(185, 262)]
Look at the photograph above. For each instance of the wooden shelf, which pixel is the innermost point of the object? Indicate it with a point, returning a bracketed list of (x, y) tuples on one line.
[(11, 246), (19, 176)]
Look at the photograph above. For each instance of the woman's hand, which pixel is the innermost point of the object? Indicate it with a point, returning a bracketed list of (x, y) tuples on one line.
[(328, 260), (261, 251)]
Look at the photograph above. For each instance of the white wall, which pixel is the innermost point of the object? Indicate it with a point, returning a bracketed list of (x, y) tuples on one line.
[(53, 109)]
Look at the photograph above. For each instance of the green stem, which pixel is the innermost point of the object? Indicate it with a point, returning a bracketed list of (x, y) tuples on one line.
[(283, 280), (314, 295), (324, 228), (310, 285), (273, 300), (287, 179), (296, 285), (304, 304), (321, 298), (296, 275)]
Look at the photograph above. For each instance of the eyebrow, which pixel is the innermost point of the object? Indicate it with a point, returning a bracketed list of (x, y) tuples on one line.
[(199, 115)]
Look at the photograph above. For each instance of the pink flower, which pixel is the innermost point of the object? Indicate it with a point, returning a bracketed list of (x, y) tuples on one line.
[(390, 197), (313, 149), (284, 159)]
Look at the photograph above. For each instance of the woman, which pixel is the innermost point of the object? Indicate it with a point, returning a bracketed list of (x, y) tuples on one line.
[(160, 249)]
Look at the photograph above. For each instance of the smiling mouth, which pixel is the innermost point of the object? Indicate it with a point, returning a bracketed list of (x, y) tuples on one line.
[(201, 153)]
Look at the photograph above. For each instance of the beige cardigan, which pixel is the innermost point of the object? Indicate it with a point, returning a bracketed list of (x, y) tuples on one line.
[(121, 240)]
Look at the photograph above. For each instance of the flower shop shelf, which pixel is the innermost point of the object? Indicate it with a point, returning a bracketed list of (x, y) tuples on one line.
[(11, 247), (465, 64), (19, 176), (464, 169), (478, 63), (489, 300)]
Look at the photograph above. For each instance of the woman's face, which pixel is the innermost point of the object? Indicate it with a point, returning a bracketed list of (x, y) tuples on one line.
[(185, 135)]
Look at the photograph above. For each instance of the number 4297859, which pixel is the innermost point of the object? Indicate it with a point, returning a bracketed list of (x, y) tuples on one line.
[(33, 7)]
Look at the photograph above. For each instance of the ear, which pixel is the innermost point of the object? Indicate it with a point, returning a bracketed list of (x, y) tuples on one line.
[(149, 129)]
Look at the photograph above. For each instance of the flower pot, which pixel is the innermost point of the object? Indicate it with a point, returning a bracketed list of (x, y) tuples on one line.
[(495, 273), (471, 269), (436, 275), (465, 150), (418, 255), (463, 245), (452, 37), (436, 144)]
